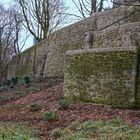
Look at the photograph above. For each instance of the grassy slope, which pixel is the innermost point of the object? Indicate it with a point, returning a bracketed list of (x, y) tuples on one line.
[(49, 99), (99, 130), (12, 131)]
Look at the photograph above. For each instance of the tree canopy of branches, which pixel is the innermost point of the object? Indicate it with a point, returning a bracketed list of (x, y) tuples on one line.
[(20, 34), (10, 35), (6, 28), (42, 17), (88, 7)]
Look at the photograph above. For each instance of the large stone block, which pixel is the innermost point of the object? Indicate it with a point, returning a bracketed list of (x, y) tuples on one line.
[(106, 75)]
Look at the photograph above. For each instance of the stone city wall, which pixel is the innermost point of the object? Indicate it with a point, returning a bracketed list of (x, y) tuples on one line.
[(102, 62)]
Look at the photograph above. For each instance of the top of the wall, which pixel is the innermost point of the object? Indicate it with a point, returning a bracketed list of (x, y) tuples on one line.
[(99, 50), (117, 3)]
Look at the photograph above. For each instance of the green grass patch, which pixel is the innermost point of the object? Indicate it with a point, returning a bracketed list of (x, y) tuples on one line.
[(99, 130), (50, 116), (34, 107), (12, 131), (64, 104)]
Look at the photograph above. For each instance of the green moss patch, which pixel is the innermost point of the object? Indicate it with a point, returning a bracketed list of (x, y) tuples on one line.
[(24, 70), (105, 77)]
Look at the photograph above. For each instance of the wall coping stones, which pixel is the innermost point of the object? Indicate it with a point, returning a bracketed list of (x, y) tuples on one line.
[(99, 50)]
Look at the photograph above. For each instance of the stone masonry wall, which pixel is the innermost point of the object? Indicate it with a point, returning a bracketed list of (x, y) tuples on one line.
[(29, 62), (123, 36), (104, 75), (73, 37)]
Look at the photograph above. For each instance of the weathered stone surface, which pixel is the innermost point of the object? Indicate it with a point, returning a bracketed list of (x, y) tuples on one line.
[(73, 36), (117, 3), (123, 36), (101, 75), (29, 62)]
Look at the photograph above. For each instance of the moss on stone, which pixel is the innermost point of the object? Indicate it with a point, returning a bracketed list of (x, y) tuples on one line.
[(101, 77), (24, 70)]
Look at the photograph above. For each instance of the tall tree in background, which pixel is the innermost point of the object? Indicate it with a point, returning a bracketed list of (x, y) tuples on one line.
[(10, 35), (88, 7), (6, 29), (42, 17), (19, 34)]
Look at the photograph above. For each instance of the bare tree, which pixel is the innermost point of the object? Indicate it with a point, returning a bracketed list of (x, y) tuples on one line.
[(41, 17), (19, 34), (6, 29), (88, 7), (11, 29)]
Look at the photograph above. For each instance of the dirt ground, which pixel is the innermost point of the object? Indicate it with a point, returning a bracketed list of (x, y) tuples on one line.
[(18, 111)]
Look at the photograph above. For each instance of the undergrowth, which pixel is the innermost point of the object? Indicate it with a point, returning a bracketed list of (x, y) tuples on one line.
[(99, 130), (10, 131)]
